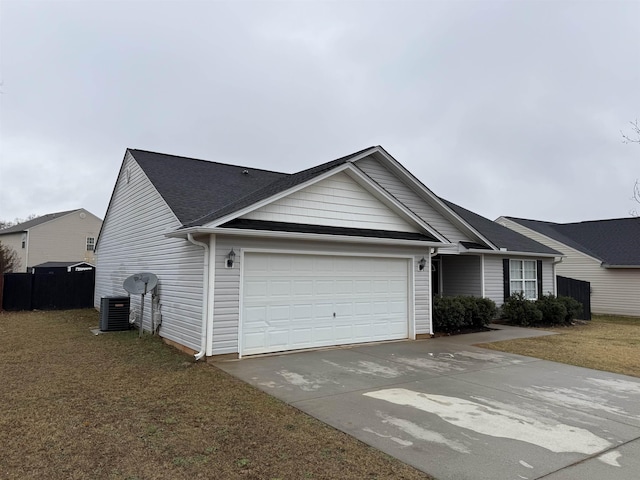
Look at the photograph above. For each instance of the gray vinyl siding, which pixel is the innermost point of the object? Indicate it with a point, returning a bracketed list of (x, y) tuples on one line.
[(133, 241), (416, 203), (493, 276), (226, 294), (613, 291), (461, 275), (493, 279)]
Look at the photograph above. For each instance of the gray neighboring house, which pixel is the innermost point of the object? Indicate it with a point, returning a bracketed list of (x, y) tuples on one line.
[(252, 261), (67, 236), (605, 253)]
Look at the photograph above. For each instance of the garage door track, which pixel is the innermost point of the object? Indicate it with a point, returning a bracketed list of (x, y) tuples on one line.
[(457, 411)]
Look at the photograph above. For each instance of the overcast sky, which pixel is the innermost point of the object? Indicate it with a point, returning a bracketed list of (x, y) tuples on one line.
[(505, 108)]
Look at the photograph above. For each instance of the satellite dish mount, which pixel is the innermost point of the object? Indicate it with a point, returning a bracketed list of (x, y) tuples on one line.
[(141, 283)]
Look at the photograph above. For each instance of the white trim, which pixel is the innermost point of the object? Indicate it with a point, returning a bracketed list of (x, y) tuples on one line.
[(241, 303), (431, 290), (211, 286), (355, 174), (390, 201), (301, 236), (509, 253), (275, 197), (411, 320), (424, 189), (482, 281)]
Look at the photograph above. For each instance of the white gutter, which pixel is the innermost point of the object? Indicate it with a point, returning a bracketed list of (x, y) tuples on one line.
[(510, 253), (205, 296)]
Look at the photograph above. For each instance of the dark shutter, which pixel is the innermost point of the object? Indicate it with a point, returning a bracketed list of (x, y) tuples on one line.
[(539, 265), (506, 278)]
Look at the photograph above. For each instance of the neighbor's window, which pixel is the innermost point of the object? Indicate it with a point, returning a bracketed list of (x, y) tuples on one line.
[(523, 278), (91, 243)]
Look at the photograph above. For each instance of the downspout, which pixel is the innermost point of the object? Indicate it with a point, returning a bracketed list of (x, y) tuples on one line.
[(205, 296), (555, 277)]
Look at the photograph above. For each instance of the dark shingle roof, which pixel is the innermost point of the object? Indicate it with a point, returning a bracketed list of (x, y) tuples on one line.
[(501, 237), (199, 191), (21, 227), (283, 183), (60, 264), (613, 242), (192, 188)]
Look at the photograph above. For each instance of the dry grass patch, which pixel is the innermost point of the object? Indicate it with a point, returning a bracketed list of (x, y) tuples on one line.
[(605, 343), (78, 406)]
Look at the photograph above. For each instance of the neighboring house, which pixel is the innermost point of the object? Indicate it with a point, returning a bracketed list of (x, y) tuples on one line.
[(253, 261), (59, 237), (605, 253)]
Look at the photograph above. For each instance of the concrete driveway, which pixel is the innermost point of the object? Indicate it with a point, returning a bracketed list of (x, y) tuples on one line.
[(460, 412)]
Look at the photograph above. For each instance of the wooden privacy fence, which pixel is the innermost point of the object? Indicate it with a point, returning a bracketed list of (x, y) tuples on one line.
[(59, 291), (578, 290)]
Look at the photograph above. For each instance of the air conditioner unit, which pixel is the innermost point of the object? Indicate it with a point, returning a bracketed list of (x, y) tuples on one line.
[(114, 314)]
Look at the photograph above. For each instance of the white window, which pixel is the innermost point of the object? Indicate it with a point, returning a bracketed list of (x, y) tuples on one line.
[(91, 243), (523, 278)]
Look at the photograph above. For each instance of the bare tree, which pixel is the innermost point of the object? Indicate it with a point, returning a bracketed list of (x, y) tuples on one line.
[(9, 260), (634, 137)]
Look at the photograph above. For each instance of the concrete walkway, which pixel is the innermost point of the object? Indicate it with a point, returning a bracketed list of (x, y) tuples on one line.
[(459, 412)]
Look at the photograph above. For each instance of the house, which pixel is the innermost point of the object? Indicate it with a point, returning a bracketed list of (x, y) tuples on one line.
[(56, 237), (605, 253), (253, 261)]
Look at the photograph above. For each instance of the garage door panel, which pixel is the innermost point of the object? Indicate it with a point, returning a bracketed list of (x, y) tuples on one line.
[(307, 301)]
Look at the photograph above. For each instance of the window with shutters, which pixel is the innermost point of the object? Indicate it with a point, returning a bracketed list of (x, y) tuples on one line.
[(523, 278)]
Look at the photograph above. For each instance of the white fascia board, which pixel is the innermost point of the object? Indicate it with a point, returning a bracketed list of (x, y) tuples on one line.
[(386, 198), (511, 253), (299, 236), (273, 198), (439, 203)]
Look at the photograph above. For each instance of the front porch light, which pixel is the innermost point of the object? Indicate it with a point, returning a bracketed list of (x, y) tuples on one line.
[(422, 263)]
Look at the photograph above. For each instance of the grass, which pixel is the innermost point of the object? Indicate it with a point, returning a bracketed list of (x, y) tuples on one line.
[(78, 406), (605, 343)]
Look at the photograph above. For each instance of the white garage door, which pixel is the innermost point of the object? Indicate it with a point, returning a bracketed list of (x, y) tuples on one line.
[(305, 301)]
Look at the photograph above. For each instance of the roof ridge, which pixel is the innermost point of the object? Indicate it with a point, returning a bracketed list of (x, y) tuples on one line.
[(203, 160)]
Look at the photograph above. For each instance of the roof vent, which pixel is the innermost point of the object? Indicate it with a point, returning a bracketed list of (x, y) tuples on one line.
[(245, 172)]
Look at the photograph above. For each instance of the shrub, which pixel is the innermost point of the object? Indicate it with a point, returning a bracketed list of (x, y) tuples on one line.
[(553, 310), (574, 308), (520, 311), (453, 313), (448, 314)]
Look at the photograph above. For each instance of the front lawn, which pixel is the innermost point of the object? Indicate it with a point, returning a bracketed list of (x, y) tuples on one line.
[(605, 343), (78, 406)]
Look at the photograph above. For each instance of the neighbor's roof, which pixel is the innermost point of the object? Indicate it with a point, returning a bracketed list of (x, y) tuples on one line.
[(62, 264), (615, 242), (21, 227), (501, 237)]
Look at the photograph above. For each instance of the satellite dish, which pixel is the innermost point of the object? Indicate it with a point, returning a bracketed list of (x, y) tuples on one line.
[(140, 283)]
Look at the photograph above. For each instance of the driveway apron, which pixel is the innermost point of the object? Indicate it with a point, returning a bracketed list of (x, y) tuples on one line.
[(457, 411)]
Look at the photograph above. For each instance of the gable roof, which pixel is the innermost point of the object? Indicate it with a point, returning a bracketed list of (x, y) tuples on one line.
[(193, 188), (500, 236), (24, 226), (615, 242)]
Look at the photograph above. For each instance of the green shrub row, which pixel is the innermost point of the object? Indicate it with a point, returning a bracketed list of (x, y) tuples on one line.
[(547, 310), (451, 314)]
